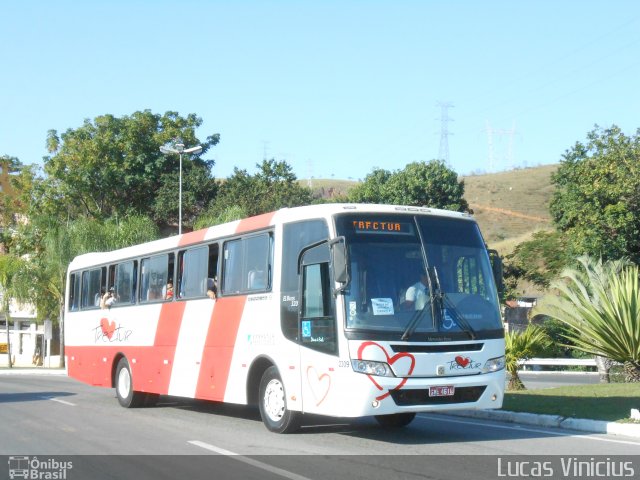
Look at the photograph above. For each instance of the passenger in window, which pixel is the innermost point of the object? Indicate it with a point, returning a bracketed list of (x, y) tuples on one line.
[(97, 301), (212, 288), (108, 299), (417, 295), (169, 291)]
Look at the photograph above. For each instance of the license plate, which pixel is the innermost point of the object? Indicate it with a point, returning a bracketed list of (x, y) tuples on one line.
[(441, 391)]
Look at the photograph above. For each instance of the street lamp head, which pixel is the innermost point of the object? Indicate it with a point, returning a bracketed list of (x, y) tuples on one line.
[(168, 150), (193, 150)]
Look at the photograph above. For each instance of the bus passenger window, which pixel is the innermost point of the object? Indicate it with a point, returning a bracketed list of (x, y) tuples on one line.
[(155, 274), (93, 287), (124, 283), (193, 272), (212, 272), (74, 292), (247, 264)]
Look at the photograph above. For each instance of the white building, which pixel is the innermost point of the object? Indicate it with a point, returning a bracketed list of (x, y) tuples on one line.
[(25, 335)]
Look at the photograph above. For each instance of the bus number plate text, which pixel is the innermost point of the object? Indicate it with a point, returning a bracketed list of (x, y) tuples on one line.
[(441, 391)]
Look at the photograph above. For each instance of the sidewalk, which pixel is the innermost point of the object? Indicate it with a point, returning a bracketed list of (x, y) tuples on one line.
[(553, 421), (17, 370)]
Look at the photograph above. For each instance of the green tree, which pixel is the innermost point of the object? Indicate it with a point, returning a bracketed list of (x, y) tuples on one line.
[(51, 246), (274, 186), (373, 189), (228, 215), (8, 207), (539, 261), (430, 184), (597, 197), (522, 345), (600, 302), (113, 166)]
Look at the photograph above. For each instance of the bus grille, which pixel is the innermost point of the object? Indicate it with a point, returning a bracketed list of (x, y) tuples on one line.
[(421, 396)]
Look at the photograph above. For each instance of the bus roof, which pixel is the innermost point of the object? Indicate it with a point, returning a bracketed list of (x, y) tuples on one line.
[(324, 210)]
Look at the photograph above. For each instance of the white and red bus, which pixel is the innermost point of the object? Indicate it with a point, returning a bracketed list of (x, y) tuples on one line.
[(344, 310)]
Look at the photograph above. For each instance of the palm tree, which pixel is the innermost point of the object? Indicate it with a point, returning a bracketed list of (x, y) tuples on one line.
[(522, 345), (10, 267), (600, 302)]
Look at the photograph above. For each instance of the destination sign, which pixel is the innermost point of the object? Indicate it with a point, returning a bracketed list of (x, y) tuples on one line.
[(382, 226)]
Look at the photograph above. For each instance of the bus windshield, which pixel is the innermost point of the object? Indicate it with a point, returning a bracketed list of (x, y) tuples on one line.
[(418, 277)]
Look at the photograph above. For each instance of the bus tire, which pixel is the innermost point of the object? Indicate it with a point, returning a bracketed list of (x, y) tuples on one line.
[(273, 404), (395, 420), (127, 397)]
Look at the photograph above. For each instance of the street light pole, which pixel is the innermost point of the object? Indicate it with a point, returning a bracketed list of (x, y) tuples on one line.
[(179, 149)]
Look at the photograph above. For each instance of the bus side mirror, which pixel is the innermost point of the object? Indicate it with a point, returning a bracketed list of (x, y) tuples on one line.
[(496, 266), (340, 261)]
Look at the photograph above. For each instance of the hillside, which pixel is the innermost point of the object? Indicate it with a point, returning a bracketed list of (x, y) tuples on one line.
[(509, 206)]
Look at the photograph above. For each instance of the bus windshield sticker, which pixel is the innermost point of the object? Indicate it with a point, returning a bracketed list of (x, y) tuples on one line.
[(306, 328), (382, 306)]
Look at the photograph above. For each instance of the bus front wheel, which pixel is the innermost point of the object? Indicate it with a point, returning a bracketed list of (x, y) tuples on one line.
[(124, 386), (273, 404), (395, 420)]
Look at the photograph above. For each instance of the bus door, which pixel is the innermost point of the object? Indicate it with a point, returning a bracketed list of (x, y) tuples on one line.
[(317, 332)]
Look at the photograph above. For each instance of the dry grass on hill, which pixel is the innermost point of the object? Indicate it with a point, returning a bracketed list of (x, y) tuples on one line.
[(509, 206)]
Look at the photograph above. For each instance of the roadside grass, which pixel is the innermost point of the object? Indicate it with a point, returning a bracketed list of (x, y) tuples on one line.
[(610, 402)]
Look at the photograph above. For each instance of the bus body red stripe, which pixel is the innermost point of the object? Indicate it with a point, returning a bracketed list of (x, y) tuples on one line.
[(218, 348), (192, 237), (254, 223)]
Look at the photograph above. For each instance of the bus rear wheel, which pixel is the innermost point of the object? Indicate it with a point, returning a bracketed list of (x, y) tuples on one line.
[(395, 420), (273, 404), (127, 397)]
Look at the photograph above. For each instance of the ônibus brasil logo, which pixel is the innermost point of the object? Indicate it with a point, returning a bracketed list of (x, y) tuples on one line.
[(36, 469)]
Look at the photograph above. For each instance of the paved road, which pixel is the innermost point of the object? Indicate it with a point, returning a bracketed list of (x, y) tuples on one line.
[(537, 380), (57, 416)]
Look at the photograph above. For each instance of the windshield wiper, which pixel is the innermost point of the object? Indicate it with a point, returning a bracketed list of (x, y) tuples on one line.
[(419, 315), (415, 320), (447, 304)]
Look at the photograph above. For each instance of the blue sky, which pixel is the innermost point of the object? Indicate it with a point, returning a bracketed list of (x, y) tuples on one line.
[(335, 88)]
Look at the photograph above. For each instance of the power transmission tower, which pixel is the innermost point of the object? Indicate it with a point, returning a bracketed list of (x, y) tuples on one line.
[(501, 132), (443, 153)]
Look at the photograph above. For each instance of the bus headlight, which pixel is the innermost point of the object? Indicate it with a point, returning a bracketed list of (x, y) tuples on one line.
[(493, 365), (370, 367)]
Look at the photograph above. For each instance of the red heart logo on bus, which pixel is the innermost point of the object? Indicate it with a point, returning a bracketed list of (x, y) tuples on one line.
[(463, 361), (107, 327), (390, 361), (319, 384)]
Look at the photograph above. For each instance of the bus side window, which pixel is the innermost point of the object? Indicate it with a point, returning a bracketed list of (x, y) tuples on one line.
[(192, 272), (212, 271), (470, 279), (93, 284), (247, 264), (317, 318), (74, 292), (318, 325), (124, 283), (155, 273)]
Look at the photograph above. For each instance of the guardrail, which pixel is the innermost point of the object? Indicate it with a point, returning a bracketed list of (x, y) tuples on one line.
[(568, 362)]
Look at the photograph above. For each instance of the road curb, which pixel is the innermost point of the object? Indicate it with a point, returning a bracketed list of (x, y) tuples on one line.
[(555, 421), (32, 371)]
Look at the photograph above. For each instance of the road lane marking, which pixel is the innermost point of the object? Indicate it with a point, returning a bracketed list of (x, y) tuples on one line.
[(520, 428), (64, 402), (248, 461)]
